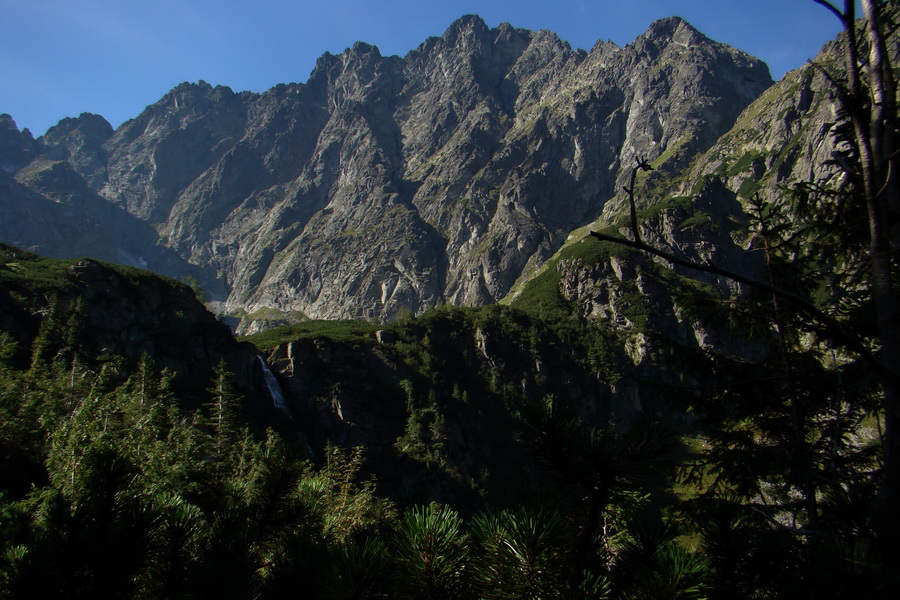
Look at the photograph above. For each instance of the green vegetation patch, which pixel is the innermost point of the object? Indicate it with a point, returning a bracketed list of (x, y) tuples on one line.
[(744, 163), (352, 332), (749, 188), (22, 269), (541, 296), (670, 151), (592, 251)]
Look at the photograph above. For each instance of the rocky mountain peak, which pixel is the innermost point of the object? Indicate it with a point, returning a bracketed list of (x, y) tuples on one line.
[(360, 65), (155, 156), (323, 64), (17, 148), (79, 141), (672, 28), (195, 98), (466, 27), (84, 126), (362, 49)]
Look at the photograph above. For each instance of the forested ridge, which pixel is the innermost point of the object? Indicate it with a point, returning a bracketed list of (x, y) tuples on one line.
[(121, 481), (538, 448)]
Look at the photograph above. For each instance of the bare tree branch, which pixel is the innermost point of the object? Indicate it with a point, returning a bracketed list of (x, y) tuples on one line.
[(834, 10), (642, 165), (794, 530)]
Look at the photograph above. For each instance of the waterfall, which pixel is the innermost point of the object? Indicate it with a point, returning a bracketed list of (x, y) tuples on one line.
[(273, 386)]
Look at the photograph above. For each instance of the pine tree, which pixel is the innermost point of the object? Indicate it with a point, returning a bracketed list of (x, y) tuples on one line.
[(221, 417), (431, 554)]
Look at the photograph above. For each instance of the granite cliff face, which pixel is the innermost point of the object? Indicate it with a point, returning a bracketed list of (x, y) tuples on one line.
[(382, 183)]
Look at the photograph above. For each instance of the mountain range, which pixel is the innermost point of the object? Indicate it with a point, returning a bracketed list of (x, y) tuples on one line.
[(453, 175)]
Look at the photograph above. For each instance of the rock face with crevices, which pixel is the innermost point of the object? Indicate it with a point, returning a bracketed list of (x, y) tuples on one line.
[(384, 183)]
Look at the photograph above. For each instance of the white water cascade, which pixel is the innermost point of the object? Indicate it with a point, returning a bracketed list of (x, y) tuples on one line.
[(273, 386)]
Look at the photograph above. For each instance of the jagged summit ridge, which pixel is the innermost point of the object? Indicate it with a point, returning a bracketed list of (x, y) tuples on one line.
[(389, 183)]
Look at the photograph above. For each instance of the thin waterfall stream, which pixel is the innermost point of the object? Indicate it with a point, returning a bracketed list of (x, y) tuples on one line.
[(273, 386)]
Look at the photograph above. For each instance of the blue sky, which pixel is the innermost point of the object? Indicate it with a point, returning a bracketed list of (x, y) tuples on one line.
[(59, 58)]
